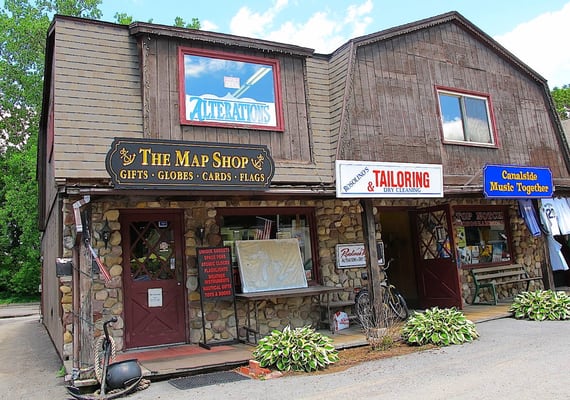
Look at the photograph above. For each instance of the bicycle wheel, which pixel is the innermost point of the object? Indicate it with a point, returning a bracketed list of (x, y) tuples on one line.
[(362, 306), (398, 304)]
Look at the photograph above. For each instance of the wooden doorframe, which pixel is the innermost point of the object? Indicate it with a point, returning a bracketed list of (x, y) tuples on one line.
[(374, 272), (130, 215), (449, 262)]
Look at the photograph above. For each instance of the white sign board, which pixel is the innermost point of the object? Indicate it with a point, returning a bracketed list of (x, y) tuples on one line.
[(383, 179), (271, 264), (350, 255), (155, 297), (354, 255)]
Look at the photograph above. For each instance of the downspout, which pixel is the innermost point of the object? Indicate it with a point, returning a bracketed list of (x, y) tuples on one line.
[(75, 287)]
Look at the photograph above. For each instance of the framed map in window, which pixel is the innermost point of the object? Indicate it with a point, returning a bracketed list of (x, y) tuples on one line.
[(272, 264)]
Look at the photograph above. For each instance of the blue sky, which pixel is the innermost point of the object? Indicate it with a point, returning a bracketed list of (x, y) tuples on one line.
[(534, 30)]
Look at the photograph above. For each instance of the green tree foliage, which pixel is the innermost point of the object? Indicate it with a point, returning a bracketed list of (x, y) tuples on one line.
[(180, 23), (123, 18), (19, 236), (561, 97), (23, 28)]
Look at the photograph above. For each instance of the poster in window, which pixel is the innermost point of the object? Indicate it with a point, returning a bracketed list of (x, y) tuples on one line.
[(461, 241)]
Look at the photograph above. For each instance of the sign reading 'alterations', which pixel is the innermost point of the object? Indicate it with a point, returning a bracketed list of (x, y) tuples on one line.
[(162, 164)]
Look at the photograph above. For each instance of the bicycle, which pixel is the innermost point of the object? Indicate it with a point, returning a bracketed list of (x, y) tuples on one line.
[(395, 307)]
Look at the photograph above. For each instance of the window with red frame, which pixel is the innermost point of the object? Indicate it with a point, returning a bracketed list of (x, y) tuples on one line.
[(466, 118), (272, 223)]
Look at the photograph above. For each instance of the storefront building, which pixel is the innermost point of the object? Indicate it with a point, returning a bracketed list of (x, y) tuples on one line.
[(158, 141)]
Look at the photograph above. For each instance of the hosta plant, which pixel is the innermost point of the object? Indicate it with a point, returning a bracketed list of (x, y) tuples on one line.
[(441, 327), (299, 349), (541, 305)]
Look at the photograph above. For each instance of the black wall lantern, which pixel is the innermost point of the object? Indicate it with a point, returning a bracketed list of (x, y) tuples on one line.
[(105, 232)]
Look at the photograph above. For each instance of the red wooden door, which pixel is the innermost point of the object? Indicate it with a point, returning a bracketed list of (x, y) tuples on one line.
[(153, 273), (436, 267)]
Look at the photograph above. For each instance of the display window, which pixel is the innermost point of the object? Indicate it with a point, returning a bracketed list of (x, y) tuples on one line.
[(483, 235), (272, 223)]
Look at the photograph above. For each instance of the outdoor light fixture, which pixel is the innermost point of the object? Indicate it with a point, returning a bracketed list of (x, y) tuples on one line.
[(105, 232)]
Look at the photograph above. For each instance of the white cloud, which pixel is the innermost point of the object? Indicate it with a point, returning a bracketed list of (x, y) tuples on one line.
[(319, 32), (254, 24), (357, 16), (207, 25), (323, 31), (542, 44)]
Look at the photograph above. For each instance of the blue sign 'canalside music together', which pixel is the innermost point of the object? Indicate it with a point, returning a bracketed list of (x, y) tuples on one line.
[(511, 181)]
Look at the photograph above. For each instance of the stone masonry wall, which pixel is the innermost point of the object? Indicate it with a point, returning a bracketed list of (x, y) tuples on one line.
[(338, 221)]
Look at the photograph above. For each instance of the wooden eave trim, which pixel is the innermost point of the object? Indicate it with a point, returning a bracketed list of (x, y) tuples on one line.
[(142, 28)]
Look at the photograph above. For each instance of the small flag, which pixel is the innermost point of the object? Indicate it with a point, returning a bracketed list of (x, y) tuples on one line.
[(102, 269), (264, 233)]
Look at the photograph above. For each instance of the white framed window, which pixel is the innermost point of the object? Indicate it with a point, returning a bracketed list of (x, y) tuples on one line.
[(466, 118)]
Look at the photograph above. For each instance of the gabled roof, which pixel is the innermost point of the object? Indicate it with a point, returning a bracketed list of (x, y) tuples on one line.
[(453, 17)]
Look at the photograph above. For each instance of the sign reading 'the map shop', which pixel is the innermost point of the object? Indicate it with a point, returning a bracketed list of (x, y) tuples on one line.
[(509, 181), (164, 164)]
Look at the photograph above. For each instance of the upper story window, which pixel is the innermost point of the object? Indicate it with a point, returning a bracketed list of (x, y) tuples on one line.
[(466, 118)]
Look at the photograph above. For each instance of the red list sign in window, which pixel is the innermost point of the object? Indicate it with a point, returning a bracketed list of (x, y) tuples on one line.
[(382, 179), (215, 269)]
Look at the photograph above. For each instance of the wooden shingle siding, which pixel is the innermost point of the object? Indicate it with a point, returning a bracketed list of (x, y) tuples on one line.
[(373, 99), (319, 117), (393, 109), (340, 77), (294, 150), (97, 95)]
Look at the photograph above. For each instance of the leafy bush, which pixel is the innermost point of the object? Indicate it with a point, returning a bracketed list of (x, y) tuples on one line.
[(541, 305), (299, 349), (441, 327)]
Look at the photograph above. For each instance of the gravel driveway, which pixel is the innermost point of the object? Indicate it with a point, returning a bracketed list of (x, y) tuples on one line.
[(512, 359)]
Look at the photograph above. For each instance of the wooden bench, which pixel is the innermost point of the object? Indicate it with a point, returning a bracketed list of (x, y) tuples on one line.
[(487, 277)]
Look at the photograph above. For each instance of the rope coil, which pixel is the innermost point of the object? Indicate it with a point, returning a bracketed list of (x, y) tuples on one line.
[(99, 352)]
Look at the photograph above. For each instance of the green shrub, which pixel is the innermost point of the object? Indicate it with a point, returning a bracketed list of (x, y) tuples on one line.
[(541, 305), (441, 327), (299, 349)]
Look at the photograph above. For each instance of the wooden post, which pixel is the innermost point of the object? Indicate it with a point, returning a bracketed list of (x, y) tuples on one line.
[(547, 275), (75, 302), (374, 272)]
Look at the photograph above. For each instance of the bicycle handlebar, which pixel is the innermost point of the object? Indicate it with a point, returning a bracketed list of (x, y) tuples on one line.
[(385, 268)]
